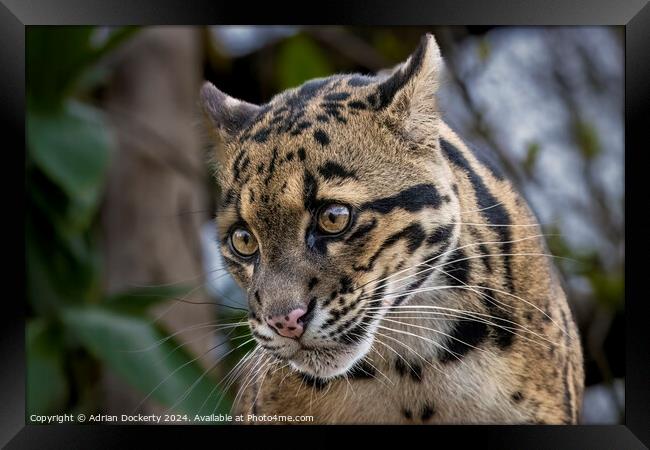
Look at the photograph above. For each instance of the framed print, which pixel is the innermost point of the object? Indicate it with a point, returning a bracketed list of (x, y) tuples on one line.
[(423, 215)]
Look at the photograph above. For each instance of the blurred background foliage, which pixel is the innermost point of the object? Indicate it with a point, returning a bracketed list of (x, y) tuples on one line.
[(546, 104), (74, 326)]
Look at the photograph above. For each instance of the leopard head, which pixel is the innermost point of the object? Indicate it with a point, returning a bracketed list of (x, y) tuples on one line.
[(335, 197)]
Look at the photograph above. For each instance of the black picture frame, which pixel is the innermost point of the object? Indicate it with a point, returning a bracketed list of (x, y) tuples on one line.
[(633, 15)]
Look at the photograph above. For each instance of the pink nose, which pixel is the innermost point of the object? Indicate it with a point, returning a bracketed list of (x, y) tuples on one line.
[(288, 326)]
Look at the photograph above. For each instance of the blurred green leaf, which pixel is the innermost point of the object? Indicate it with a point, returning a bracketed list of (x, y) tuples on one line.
[(532, 153), (146, 358), (556, 242), (390, 46), (60, 272), (607, 285), (483, 49), (47, 388), (586, 137), (55, 56), (43, 292), (239, 336), (300, 59), (138, 300), (609, 288), (71, 147), (107, 41), (58, 56)]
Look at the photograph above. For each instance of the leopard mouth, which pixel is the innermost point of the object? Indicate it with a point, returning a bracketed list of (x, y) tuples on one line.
[(322, 358)]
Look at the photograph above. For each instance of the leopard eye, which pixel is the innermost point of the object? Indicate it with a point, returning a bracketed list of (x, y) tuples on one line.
[(333, 218), (243, 242)]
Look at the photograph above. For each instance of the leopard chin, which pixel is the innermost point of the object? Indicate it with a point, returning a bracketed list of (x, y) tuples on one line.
[(327, 363)]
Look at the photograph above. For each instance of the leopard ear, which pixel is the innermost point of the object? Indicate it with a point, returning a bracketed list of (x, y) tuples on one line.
[(226, 114), (408, 94)]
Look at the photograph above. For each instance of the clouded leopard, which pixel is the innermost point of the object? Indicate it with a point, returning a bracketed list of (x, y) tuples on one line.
[(392, 275)]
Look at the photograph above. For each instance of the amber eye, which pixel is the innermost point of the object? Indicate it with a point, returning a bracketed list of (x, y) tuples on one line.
[(243, 242), (333, 218)]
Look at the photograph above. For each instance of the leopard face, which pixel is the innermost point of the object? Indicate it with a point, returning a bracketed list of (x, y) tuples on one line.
[(335, 198)]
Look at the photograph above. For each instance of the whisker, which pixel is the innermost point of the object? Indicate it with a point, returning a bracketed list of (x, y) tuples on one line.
[(210, 303), (251, 376), (299, 386), (173, 305), (454, 317), (280, 368), (409, 349), (481, 209), (170, 375), (433, 288), (266, 371), (447, 252), (501, 254), (204, 373), (438, 332), (396, 353), (232, 376), (369, 363), (170, 284), (461, 314), (226, 377), (329, 386), (437, 344), (378, 354), (211, 324), (284, 378), (492, 300), (380, 372), (202, 336), (512, 225)]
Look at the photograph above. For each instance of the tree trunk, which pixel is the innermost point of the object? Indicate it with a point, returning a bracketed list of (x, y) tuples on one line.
[(156, 199)]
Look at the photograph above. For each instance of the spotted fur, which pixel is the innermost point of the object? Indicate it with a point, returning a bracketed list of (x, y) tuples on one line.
[(484, 335)]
